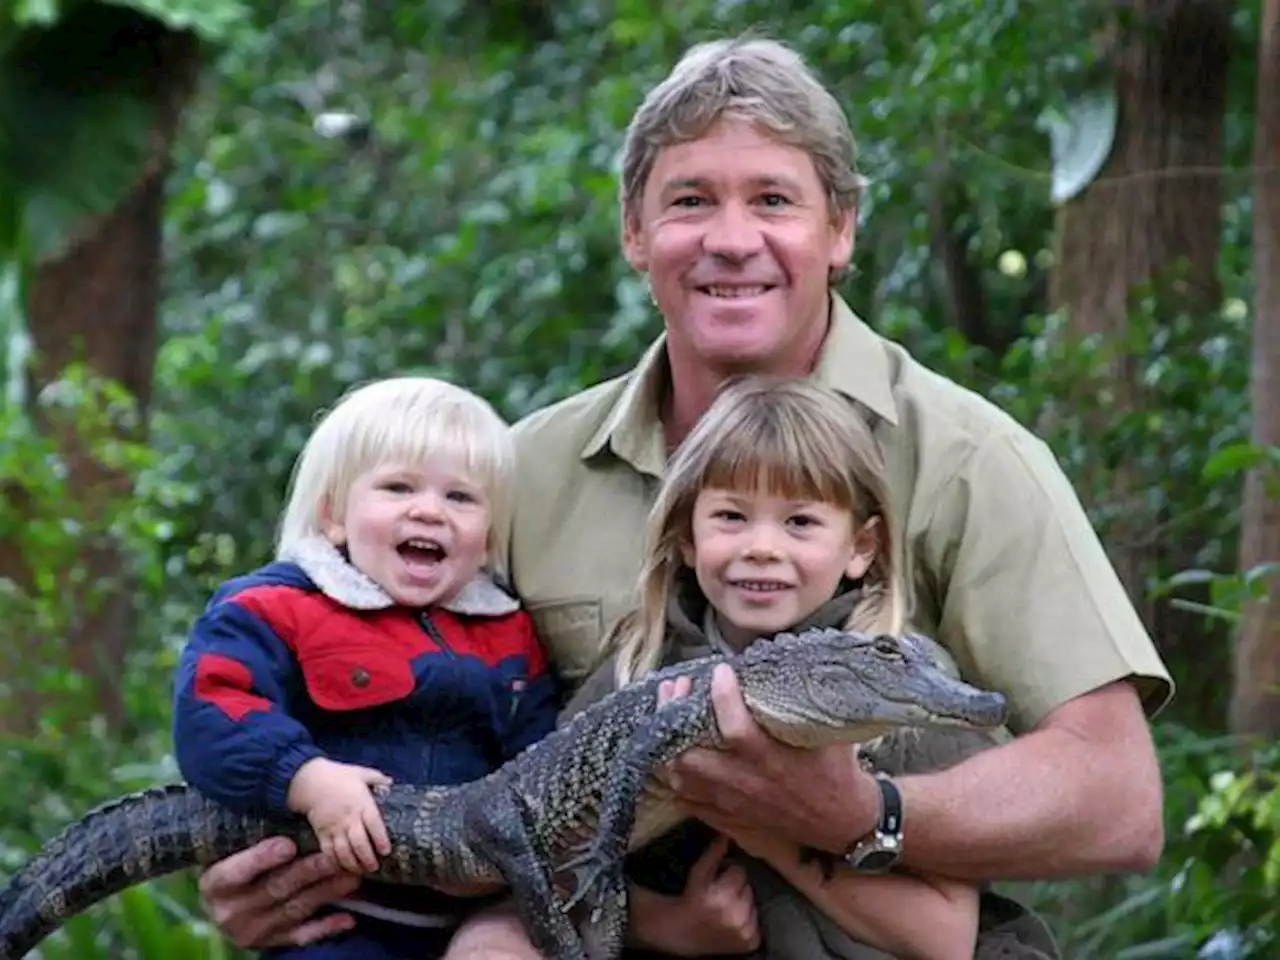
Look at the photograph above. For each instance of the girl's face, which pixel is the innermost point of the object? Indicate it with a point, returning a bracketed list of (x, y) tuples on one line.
[(765, 563), (419, 531)]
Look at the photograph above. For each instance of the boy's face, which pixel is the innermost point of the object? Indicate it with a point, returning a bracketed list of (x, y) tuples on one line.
[(419, 531), (765, 563)]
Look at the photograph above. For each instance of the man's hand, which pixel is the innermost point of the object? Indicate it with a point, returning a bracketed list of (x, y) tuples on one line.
[(262, 897), (750, 787)]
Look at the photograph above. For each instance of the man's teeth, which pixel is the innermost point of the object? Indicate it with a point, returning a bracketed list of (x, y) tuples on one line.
[(734, 293)]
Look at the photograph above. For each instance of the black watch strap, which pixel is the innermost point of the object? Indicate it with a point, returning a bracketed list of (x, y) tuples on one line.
[(880, 850)]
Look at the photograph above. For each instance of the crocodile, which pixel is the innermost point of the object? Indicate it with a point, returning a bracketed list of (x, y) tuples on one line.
[(553, 823)]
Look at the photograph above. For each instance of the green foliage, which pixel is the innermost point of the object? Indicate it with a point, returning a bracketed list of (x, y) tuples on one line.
[(78, 109), (365, 189), (1216, 886)]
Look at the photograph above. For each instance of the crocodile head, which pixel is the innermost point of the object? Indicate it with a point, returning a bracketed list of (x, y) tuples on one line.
[(827, 686)]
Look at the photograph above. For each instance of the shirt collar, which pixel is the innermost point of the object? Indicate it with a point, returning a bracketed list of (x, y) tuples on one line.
[(853, 362)]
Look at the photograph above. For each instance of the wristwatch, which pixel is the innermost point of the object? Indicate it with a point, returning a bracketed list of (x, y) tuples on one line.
[(880, 849)]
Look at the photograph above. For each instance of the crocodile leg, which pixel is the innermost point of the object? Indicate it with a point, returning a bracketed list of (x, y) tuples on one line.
[(605, 931), (504, 831), (598, 869)]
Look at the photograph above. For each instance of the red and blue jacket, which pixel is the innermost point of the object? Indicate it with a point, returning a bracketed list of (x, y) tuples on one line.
[(306, 657)]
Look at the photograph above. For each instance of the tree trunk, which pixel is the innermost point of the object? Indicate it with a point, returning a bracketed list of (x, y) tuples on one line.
[(1148, 224), (97, 302), (1255, 696)]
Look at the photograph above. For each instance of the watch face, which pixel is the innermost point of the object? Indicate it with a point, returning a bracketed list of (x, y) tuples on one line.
[(878, 860)]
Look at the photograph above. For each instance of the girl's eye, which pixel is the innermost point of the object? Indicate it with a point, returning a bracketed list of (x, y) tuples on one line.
[(729, 515), (397, 486), (804, 520), (462, 496)]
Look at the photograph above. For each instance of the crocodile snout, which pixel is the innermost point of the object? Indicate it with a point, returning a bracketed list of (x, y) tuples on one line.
[(985, 708)]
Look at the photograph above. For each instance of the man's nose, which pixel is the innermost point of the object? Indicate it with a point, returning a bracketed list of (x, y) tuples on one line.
[(733, 233)]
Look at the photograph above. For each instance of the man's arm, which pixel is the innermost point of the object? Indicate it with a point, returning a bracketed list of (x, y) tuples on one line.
[(1081, 793)]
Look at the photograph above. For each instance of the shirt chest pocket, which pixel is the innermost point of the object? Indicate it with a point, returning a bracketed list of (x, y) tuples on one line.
[(355, 676), (572, 630)]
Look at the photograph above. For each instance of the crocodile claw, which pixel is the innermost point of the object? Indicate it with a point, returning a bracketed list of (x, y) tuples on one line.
[(596, 878)]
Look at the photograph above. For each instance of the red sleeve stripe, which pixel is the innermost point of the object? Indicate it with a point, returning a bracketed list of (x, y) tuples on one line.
[(290, 612), (228, 685)]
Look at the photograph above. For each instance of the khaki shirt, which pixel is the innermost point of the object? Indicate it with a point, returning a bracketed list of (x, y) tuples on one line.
[(1003, 567)]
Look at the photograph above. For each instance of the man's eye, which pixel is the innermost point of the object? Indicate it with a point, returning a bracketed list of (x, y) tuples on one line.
[(686, 202), (775, 200)]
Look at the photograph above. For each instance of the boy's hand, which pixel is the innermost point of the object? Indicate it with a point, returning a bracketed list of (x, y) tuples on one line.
[(338, 801)]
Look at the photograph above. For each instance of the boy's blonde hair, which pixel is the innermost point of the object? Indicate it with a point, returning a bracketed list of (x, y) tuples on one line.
[(791, 438), (401, 420)]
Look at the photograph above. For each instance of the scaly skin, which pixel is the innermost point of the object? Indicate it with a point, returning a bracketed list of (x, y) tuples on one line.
[(553, 823)]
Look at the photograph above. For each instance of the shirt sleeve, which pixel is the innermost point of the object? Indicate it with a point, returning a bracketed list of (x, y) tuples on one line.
[(534, 706), (1029, 603), (233, 736)]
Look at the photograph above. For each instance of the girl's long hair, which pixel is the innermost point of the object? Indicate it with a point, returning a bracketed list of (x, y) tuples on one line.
[(790, 438)]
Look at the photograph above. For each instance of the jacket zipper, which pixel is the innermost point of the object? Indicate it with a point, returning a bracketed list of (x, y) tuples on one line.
[(434, 633)]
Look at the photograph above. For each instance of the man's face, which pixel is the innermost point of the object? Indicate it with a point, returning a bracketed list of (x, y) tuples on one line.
[(736, 235)]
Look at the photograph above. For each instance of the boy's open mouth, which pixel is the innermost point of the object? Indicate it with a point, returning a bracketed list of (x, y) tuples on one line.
[(419, 550)]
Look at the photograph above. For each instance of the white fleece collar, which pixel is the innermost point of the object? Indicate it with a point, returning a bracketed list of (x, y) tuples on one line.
[(339, 580)]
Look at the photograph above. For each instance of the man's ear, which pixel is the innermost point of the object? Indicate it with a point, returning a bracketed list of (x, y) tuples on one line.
[(635, 241), (843, 229), (867, 543)]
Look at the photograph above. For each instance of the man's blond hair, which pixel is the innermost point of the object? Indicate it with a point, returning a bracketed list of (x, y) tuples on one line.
[(758, 80)]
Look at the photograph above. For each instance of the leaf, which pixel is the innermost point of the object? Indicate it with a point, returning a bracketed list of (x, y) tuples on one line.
[(1213, 613), (35, 12), (77, 98), (216, 21), (1231, 459), (1081, 140)]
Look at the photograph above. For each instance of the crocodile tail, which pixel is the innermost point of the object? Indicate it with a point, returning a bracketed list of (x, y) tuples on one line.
[(120, 844)]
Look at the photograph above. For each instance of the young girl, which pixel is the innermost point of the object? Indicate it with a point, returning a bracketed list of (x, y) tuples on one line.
[(377, 647), (773, 516)]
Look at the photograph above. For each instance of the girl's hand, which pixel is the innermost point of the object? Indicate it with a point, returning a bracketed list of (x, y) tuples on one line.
[(337, 799), (715, 915)]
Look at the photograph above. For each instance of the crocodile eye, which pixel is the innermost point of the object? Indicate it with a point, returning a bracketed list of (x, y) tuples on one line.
[(886, 646)]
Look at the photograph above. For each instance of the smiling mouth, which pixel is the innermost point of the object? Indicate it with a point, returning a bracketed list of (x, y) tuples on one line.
[(422, 550), (720, 292), (760, 586)]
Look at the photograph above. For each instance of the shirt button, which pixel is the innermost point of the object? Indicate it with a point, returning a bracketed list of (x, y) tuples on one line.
[(360, 677)]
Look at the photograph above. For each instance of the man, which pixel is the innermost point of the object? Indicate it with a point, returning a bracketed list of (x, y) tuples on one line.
[(739, 201)]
